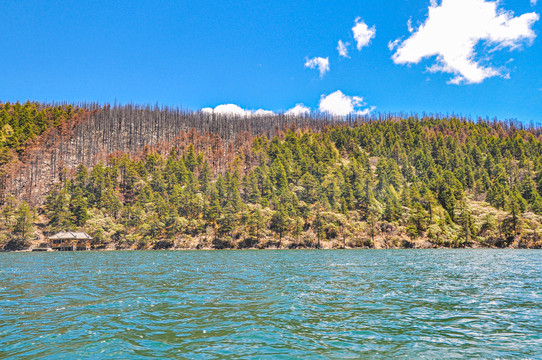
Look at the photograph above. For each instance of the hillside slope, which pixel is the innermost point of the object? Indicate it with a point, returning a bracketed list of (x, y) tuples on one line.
[(99, 131), (150, 178)]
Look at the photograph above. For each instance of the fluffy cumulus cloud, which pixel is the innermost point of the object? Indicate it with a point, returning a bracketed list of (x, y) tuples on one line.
[(231, 109), (339, 104), (335, 104), (236, 110), (262, 112), (452, 31), (298, 110), (363, 33), (342, 48), (318, 63)]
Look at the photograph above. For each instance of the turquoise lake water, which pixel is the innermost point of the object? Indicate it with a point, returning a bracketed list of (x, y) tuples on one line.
[(272, 304)]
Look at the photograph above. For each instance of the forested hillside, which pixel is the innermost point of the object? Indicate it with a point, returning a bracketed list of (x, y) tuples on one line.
[(192, 180), (22, 124), (99, 131)]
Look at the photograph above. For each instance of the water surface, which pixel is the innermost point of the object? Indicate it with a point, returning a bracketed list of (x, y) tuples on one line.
[(275, 304)]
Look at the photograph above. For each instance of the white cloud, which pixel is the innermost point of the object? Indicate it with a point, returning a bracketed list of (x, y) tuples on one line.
[(342, 48), (335, 104), (338, 104), (363, 33), (533, 2), (298, 110), (320, 63), (261, 112), (366, 111), (393, 44), (232, 109), (453, 29)]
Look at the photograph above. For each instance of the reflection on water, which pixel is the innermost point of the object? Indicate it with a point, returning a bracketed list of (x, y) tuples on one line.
[(309, 303)]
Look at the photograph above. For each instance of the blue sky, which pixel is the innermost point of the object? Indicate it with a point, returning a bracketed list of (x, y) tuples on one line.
[(201, 54)]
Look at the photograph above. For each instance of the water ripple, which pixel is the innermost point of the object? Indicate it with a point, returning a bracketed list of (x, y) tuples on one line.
[(276, 304)]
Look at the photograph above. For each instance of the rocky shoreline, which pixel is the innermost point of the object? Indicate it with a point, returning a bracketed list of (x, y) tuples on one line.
[(287, 243)]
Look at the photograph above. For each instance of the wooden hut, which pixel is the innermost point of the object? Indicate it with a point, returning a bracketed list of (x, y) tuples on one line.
[(70, 241)]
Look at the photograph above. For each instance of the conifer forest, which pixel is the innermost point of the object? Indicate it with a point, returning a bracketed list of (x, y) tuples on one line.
[(148, 177)]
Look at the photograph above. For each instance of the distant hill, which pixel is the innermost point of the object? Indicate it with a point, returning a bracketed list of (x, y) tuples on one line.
[(143, 177)]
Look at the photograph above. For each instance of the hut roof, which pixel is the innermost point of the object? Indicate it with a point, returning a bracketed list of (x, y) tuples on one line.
[(70, 235)]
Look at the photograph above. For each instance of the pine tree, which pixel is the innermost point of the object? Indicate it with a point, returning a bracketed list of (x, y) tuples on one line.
[(318, 225), (418, 221), (79, 207), (58, 209), (309, 194), (213, 208), (205, 176), (256, 223), (465, 220), (227, 221), (281, 179), (392, 205), (280, 223), (24, 227)]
